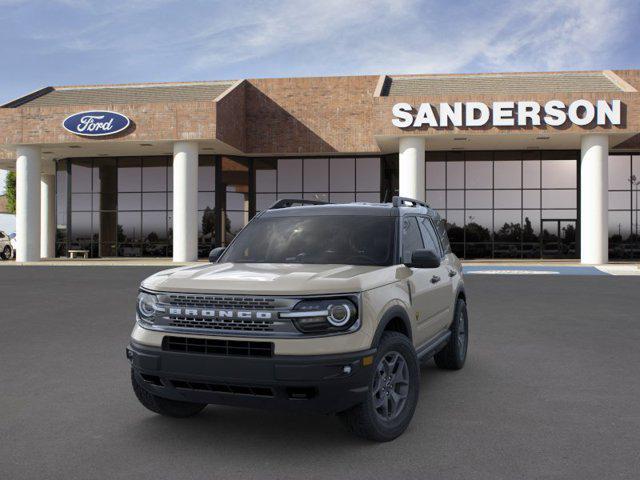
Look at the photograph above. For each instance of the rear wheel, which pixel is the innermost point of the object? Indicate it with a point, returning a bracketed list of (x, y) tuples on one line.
[(453, 356), (164, 406), (393, 392)]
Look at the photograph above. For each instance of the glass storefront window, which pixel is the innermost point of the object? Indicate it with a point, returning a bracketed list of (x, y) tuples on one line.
[(508, 199), (289, 175), (436, 175), (316, 175), (108, 206), (493, 201), (507, 174), (154, 174), (478, 199), (81, 176), (559, 174), (437, 199), (368, 176), (129, 175), (624, 198), (342, 173), (337, 179), (455, 174), (478, 174), (531, 174)]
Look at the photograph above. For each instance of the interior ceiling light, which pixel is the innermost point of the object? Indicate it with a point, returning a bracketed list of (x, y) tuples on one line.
[(460, 138), (146, 144), (74, 146), (543, 138)]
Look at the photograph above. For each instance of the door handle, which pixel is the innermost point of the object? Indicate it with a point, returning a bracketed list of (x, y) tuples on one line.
[(435, 279), (452, 273)]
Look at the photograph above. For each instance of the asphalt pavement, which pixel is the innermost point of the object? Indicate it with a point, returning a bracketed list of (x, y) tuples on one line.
[(551, 390)]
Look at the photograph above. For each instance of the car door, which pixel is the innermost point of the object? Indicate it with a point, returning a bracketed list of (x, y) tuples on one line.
[(423, 284), (442, 294)]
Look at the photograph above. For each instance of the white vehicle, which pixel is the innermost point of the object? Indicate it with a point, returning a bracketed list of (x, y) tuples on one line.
[(7, 248)]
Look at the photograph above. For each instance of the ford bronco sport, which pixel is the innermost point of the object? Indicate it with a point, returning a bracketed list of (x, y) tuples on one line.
[(318, 307)]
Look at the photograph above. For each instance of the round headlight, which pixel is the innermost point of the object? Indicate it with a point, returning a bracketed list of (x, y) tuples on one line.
[(146, 305), (339, 314), (324, 315)]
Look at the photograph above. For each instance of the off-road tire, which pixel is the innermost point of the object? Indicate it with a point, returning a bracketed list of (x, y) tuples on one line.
[(164, 406), (363, 420), (454, 354)]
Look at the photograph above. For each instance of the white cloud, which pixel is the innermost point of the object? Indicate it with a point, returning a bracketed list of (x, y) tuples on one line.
[(205, 39), (410, 36)]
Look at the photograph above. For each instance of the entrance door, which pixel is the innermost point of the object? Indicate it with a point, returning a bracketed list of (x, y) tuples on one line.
[(558, 238)]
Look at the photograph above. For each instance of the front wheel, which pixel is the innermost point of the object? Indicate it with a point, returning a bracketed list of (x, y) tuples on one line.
[(6, 252), (393, 392), (164, 406), (454, 354)]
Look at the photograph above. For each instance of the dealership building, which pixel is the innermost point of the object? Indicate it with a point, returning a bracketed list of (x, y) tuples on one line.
[(521, 165)]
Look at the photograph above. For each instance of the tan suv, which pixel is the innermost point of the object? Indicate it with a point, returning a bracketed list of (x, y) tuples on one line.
[(318, 307)]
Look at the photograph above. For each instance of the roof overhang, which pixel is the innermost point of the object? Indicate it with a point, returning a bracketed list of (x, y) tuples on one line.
[(500, 141)]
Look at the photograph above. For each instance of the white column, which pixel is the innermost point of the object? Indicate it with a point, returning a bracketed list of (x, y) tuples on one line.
[(28, 204), (411, 165), (594, 199), (48, 212), (185, 201)]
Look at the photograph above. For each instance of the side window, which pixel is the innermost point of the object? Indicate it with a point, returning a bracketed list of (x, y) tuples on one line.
[(411, 238), (441, 227), (1, 235), (430, 237)]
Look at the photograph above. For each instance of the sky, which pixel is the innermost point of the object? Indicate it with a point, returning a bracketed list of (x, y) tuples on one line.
[(71, 42)]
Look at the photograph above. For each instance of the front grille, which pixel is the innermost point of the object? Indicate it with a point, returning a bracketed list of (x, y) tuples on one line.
[(222, 324), (221, 301), (224, 388), (206, 346)]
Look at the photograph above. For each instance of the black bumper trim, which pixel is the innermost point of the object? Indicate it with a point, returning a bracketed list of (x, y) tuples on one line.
[(320, 383)]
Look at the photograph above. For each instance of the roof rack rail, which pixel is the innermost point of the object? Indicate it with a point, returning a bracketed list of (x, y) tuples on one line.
[(400, 201), (290, 202)]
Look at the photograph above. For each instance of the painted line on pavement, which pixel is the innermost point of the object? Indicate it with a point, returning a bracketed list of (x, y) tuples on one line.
[(531, 270)]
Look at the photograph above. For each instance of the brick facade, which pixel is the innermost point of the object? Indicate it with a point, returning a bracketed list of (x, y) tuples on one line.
[(292, 116)]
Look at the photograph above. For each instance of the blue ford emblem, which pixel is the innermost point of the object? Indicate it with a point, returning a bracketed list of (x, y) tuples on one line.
[(96, 123)]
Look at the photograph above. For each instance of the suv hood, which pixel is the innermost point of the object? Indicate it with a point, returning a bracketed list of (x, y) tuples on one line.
[(271, 278)]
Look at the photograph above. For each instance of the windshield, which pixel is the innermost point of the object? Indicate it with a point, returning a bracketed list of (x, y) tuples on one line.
[(348, 239)]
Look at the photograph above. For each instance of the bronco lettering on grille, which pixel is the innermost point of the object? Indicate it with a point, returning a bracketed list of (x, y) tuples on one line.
[(212, 313)]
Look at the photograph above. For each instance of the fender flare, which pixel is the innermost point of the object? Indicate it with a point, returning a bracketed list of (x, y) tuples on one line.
[(395, 311)]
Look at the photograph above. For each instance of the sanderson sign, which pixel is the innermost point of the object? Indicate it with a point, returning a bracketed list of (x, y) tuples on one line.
[(96, 123), (508, 114)]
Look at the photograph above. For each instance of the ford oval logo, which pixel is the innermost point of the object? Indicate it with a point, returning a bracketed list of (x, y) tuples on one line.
[(96, 123)]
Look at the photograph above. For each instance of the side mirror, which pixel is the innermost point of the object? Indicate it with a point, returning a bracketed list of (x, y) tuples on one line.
[(424, 259), (215, 254)]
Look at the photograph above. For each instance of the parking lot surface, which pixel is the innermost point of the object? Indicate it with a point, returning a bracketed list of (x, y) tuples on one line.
[(550, 390)]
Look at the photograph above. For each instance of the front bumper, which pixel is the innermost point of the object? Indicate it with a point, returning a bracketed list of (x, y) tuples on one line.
[(318, 383)]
